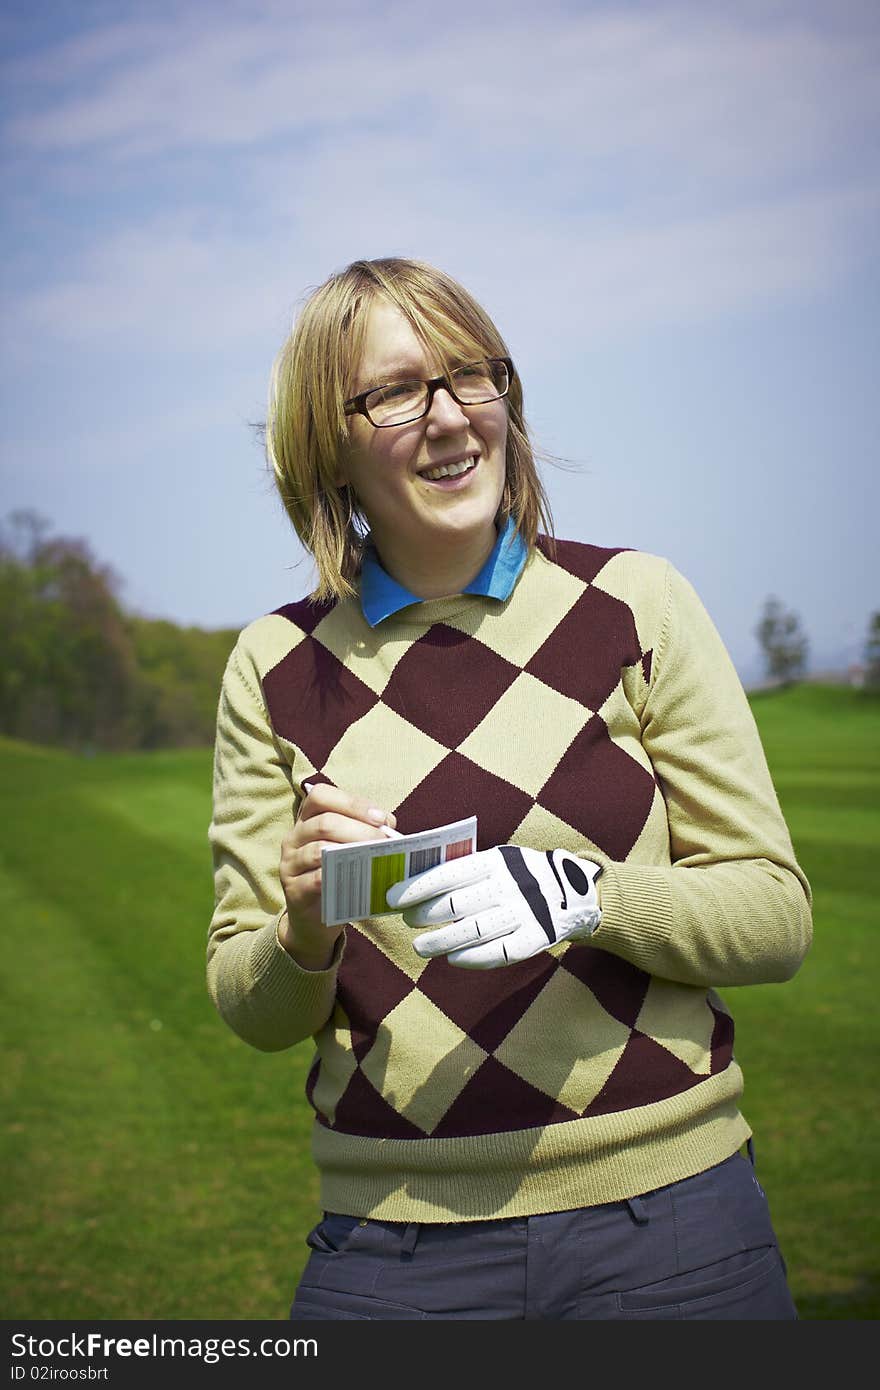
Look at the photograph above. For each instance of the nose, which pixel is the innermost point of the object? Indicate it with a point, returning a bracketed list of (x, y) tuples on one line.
[(446, 415)]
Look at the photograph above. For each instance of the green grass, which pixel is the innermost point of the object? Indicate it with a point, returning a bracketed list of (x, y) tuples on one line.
[(155, 1167), (809, 1048)]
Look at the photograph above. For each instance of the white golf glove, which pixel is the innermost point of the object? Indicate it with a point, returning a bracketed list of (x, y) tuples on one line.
[(503, 905)]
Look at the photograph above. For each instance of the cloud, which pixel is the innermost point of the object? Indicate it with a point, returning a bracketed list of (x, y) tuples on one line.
[(714, 89), (178, 177), (170, 286), (632, 162)]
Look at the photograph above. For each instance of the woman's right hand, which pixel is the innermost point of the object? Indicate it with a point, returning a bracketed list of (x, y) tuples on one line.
[(327, 816)]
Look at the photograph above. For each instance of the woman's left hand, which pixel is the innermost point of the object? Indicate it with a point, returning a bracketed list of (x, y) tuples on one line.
[(503, 905)]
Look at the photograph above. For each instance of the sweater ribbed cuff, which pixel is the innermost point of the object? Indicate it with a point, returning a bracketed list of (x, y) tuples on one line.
[(278, 976), (636, 913)]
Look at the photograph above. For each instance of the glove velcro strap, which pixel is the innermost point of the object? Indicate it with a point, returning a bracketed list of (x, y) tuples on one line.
[(529, 888)]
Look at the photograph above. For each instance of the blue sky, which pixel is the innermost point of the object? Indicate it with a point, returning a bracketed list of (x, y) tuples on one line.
[(671, 211)]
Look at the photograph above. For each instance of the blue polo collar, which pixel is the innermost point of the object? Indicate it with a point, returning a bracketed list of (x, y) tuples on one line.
[(381, 595)]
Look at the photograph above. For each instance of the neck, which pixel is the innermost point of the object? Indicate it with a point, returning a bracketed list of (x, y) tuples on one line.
[(441, 572)]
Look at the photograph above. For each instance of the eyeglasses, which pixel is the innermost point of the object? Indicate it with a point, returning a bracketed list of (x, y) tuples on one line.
[(401, 402)]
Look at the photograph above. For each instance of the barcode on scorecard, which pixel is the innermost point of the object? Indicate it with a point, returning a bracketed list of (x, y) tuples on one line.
[(422, 859), (460, 848), (351, 887)]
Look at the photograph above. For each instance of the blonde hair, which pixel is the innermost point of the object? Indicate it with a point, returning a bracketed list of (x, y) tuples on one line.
[(307, 432)]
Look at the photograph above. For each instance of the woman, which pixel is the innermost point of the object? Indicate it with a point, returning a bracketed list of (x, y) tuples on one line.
[(529, 1110)]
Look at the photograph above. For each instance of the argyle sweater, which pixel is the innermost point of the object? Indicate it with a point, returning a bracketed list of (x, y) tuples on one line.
[(595, 709)]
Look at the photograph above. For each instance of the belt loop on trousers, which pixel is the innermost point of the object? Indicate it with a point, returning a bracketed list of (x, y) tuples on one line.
[(410, 1238), (638, 1211)]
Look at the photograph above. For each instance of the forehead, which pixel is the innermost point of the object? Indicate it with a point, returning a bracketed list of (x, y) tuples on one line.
[(391, 347), (390, 344)]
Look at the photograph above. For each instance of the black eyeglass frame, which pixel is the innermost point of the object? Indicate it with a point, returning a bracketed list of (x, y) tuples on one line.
[(358, 404)]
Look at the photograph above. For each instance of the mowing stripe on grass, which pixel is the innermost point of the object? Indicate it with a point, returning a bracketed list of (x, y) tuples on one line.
[(165, 1171)]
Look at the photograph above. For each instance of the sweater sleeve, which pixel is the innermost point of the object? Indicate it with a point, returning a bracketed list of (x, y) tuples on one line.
[(735, 907), (264, 996)]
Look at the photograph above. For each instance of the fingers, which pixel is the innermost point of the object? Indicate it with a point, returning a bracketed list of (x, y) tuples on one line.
[(473, 898), (330, 816), (327, 816), (486, 955), (486, 928), (506, 950), (326, 800), (470, 868), (332, 828)]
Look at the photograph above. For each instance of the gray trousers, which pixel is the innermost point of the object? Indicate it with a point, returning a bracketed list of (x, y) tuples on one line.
[(703, 1248)]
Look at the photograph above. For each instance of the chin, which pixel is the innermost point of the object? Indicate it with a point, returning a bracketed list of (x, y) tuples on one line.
[(462, 524)]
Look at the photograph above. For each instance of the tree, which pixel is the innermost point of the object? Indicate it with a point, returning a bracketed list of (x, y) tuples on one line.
[(872, 653), (68, 665), (783, 642), (79, 671), (179, 674)]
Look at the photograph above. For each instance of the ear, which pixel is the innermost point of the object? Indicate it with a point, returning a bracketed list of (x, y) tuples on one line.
[(349, 500), (337, 475), (338, 469)]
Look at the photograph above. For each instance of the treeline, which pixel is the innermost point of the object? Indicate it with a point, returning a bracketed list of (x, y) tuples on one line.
[(785, 647), (78, 671)]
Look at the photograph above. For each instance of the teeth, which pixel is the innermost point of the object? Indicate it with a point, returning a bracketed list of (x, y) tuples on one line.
[(449, 470)]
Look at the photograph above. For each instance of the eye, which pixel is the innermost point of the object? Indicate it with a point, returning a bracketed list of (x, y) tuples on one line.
[(477, 382), (395, 391)]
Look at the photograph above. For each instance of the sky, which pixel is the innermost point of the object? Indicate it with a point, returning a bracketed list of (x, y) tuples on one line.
[(670, 210)]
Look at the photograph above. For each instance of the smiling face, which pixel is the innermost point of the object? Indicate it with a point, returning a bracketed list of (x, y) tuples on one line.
[(430, 490)]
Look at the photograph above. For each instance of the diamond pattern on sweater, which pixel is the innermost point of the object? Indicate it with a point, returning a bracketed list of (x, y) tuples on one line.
[(553, 1060), (451, 792), (491, 1096), (541, 1079), (459, 1017), (645, 1073), (305, 614), (499, 626), (362, 1110), (600, 790), (584, 561), (618, 986), (514, 720), (333, 1071), (313, 699), (584, 654), (273, 639), (418, 1041), (486, 1005), (722, 1037), (380, 986), (446, 684), (682, 1023), (527, 724), (357, 761), (541, 830), (656, 824), (359, 652)]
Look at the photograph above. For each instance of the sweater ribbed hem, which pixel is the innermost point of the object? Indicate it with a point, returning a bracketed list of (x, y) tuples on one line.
[(521, 1173)]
